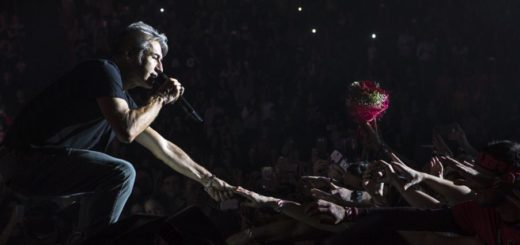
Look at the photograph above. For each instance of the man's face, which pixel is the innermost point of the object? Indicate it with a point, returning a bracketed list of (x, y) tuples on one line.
[(150, 66)]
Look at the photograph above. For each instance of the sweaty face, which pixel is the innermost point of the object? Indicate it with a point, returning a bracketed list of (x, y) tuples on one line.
[(151, 65)]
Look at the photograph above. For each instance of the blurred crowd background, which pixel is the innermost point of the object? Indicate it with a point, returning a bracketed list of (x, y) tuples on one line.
[(271, 90)]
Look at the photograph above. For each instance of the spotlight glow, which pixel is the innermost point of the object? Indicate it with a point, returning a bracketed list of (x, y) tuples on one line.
[(300, 9), (374, 36), (313, 30), (162, 10)]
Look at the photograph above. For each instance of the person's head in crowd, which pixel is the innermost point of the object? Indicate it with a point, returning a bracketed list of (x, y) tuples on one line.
[(501, 160), (136, 208), (155, 206), (138, 51), (171, 186)]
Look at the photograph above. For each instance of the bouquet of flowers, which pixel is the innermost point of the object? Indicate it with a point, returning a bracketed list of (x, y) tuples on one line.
[(367, 101)]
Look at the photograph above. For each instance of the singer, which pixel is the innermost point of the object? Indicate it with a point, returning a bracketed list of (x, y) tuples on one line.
[(55, 147)]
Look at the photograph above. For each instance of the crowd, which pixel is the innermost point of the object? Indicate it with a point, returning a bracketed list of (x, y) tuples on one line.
[(272, 95)]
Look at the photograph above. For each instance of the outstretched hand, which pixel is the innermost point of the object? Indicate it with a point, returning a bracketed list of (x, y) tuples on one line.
[(415, 177), (254, 199), (331, 213), (474, 176), (318, 182), (219, 190)]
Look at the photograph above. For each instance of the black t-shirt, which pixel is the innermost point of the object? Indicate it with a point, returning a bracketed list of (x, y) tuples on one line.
[(66, 114)]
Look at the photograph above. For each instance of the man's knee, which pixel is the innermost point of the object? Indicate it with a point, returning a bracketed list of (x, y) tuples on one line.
[(125, 173)]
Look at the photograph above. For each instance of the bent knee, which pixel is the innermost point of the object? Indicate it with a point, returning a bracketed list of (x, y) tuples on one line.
[(125, 172)]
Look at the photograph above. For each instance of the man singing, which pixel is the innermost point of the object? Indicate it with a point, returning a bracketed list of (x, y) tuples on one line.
[(53, 148)]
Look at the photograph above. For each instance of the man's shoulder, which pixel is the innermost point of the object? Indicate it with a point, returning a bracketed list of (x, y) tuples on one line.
[(99, 64)]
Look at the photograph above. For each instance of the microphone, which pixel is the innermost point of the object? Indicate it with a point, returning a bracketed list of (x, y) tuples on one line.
[(186, 106)]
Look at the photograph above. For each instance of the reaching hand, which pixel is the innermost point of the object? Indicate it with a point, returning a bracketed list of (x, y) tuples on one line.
[(415, 176), (439, 146), (474, 177), (338, 195), (333, 213), (436, 168), (218, 189), (319, 182), (372, 180), (255, 200), (459, 135), (389, 175)]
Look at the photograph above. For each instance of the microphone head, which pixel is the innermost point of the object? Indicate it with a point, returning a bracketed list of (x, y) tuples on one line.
[(162, 76)]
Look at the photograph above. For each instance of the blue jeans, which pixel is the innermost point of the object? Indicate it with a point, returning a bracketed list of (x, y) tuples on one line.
[(105, 181)]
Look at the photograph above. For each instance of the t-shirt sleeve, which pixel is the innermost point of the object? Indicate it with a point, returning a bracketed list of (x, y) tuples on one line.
[(105, 80)]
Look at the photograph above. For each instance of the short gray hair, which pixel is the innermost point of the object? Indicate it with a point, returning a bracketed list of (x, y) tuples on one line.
[(137, 38)]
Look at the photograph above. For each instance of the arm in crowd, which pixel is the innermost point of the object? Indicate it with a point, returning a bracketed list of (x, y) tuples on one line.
[(413, 196), (331, 223), (446, 188)]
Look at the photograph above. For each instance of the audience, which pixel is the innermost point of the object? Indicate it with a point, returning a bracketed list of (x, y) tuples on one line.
[(272, 94)]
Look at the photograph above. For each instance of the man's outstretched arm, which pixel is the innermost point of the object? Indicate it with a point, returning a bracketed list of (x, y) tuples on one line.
[(178, 160)]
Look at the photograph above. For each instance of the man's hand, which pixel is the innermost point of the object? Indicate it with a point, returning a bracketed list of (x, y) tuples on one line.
[(218, 189), (169, 91), (254, 199)]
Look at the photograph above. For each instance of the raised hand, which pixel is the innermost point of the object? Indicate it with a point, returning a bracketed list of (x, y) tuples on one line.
[(436, 168), (389, 174), (439, 146), (474, 177), (415, 176)]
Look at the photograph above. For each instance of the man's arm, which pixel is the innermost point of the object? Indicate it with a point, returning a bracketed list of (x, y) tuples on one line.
[(172, 155), (178, 160), (127, 123)]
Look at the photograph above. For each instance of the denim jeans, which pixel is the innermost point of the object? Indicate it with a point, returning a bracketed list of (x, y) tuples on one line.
[(105, 181)]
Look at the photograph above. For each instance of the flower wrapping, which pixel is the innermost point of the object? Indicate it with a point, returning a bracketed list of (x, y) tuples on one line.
[(366, 101)]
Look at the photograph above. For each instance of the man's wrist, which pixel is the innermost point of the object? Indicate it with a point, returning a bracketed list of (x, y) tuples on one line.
[(157, 100), (207, 180)]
